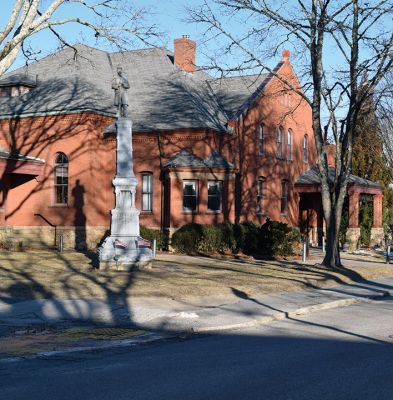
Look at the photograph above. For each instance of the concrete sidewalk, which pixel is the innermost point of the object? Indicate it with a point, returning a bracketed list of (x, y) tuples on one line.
[(206, 314)]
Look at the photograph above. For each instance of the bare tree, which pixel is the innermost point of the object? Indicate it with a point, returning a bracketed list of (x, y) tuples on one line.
[(385, 116), (115, 21), (338, 43)]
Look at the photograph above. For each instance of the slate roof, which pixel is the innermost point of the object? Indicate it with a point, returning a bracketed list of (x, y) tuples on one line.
[(233, 92), (162, 96), (184, 158), (311, 177), (6, 155)]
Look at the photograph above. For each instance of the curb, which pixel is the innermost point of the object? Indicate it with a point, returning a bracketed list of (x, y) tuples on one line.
[(280, 316), (148, 338)]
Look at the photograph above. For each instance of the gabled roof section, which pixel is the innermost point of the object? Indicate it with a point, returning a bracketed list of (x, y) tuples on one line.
[(216, 160), (7, 155), (185, 159), (233, 92), (254, 96), (311, 177)]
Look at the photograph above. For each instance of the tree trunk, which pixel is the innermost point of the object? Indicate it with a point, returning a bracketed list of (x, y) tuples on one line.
[(332, 257)]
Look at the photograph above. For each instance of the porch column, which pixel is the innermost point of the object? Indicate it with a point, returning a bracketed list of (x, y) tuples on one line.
[(377, 203), (354, 210), (353, 231), (377, 233)]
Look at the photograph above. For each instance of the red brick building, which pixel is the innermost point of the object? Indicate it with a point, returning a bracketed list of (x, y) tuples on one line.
[(205, 150)]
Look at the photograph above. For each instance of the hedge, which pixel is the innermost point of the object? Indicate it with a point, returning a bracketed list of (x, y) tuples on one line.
[(270, 239)]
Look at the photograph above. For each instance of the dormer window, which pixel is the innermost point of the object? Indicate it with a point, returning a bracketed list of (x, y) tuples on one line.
[(14, 90)]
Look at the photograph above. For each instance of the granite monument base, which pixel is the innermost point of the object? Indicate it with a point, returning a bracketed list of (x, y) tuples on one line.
[(123, 254)]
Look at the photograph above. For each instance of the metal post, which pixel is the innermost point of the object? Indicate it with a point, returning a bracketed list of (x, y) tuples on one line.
[(388, 255), (323, 245), (154, 247), (304, 258), (61, 243)]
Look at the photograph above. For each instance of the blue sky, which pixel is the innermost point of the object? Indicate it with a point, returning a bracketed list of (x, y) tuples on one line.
[(169, 15)]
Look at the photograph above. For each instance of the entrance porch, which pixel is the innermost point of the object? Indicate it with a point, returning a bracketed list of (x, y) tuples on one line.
[(311, 220)]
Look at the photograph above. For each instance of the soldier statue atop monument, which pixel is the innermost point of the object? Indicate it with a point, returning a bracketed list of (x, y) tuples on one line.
[(120, 85)]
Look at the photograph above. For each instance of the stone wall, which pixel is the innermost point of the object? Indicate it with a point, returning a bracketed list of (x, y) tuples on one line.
[(45, 237)]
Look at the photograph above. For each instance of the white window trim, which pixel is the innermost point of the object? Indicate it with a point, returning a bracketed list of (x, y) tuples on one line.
[(220, 188), (195, 182), (149, 193)]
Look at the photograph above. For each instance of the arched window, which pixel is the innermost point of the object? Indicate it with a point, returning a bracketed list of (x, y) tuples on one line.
[(61, 179), (289, 145), (260, 195), (147, 191), (305, 148), (279, 143), (284, 197), (261, 140)]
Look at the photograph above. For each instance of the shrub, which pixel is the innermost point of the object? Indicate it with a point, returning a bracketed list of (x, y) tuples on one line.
[(271, 239), (251, 238), (208, 239), (228, 241), (239, 234), (278, 239), (186, 239), (151, 234)]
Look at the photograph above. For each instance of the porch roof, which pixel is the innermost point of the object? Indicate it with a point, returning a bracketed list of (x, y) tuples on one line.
[(185, 159), (310, 181), (17, 163)]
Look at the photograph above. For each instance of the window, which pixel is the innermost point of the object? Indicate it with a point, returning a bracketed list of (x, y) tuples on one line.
[(305, 148), (190, 196), (284, 197), (147, 192), (261, 140), (289, 145), (279, 143), (214, 191), (61, 179), (260, 195)]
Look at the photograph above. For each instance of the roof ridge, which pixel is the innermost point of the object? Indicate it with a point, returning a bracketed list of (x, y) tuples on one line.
[(141, 50)]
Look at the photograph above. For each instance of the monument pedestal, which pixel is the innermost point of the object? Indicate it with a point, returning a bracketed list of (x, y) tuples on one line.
[(121, 249)]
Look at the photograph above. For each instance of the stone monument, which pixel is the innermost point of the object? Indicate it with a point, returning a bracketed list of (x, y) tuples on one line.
[(124, 248)]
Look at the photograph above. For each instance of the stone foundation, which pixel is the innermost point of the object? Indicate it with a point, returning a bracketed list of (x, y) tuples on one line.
[(377, 237), (46, 237), (352, 237)]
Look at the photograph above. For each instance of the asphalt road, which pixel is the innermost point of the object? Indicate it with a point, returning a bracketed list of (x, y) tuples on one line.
[(345, 353)]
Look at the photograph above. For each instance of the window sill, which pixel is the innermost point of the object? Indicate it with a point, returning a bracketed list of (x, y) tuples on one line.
[(213, 212), (60, 206), (190, 212), (146, 212)]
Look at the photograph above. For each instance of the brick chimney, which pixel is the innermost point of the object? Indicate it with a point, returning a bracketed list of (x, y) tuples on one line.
[(184, 54)]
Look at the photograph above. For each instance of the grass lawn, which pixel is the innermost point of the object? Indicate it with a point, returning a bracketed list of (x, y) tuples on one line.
[(44, 274)]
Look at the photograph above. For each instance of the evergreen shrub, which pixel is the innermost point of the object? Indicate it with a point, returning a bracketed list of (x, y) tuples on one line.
[(187, 238), (271, 239), (151, 234), (278, 239)]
